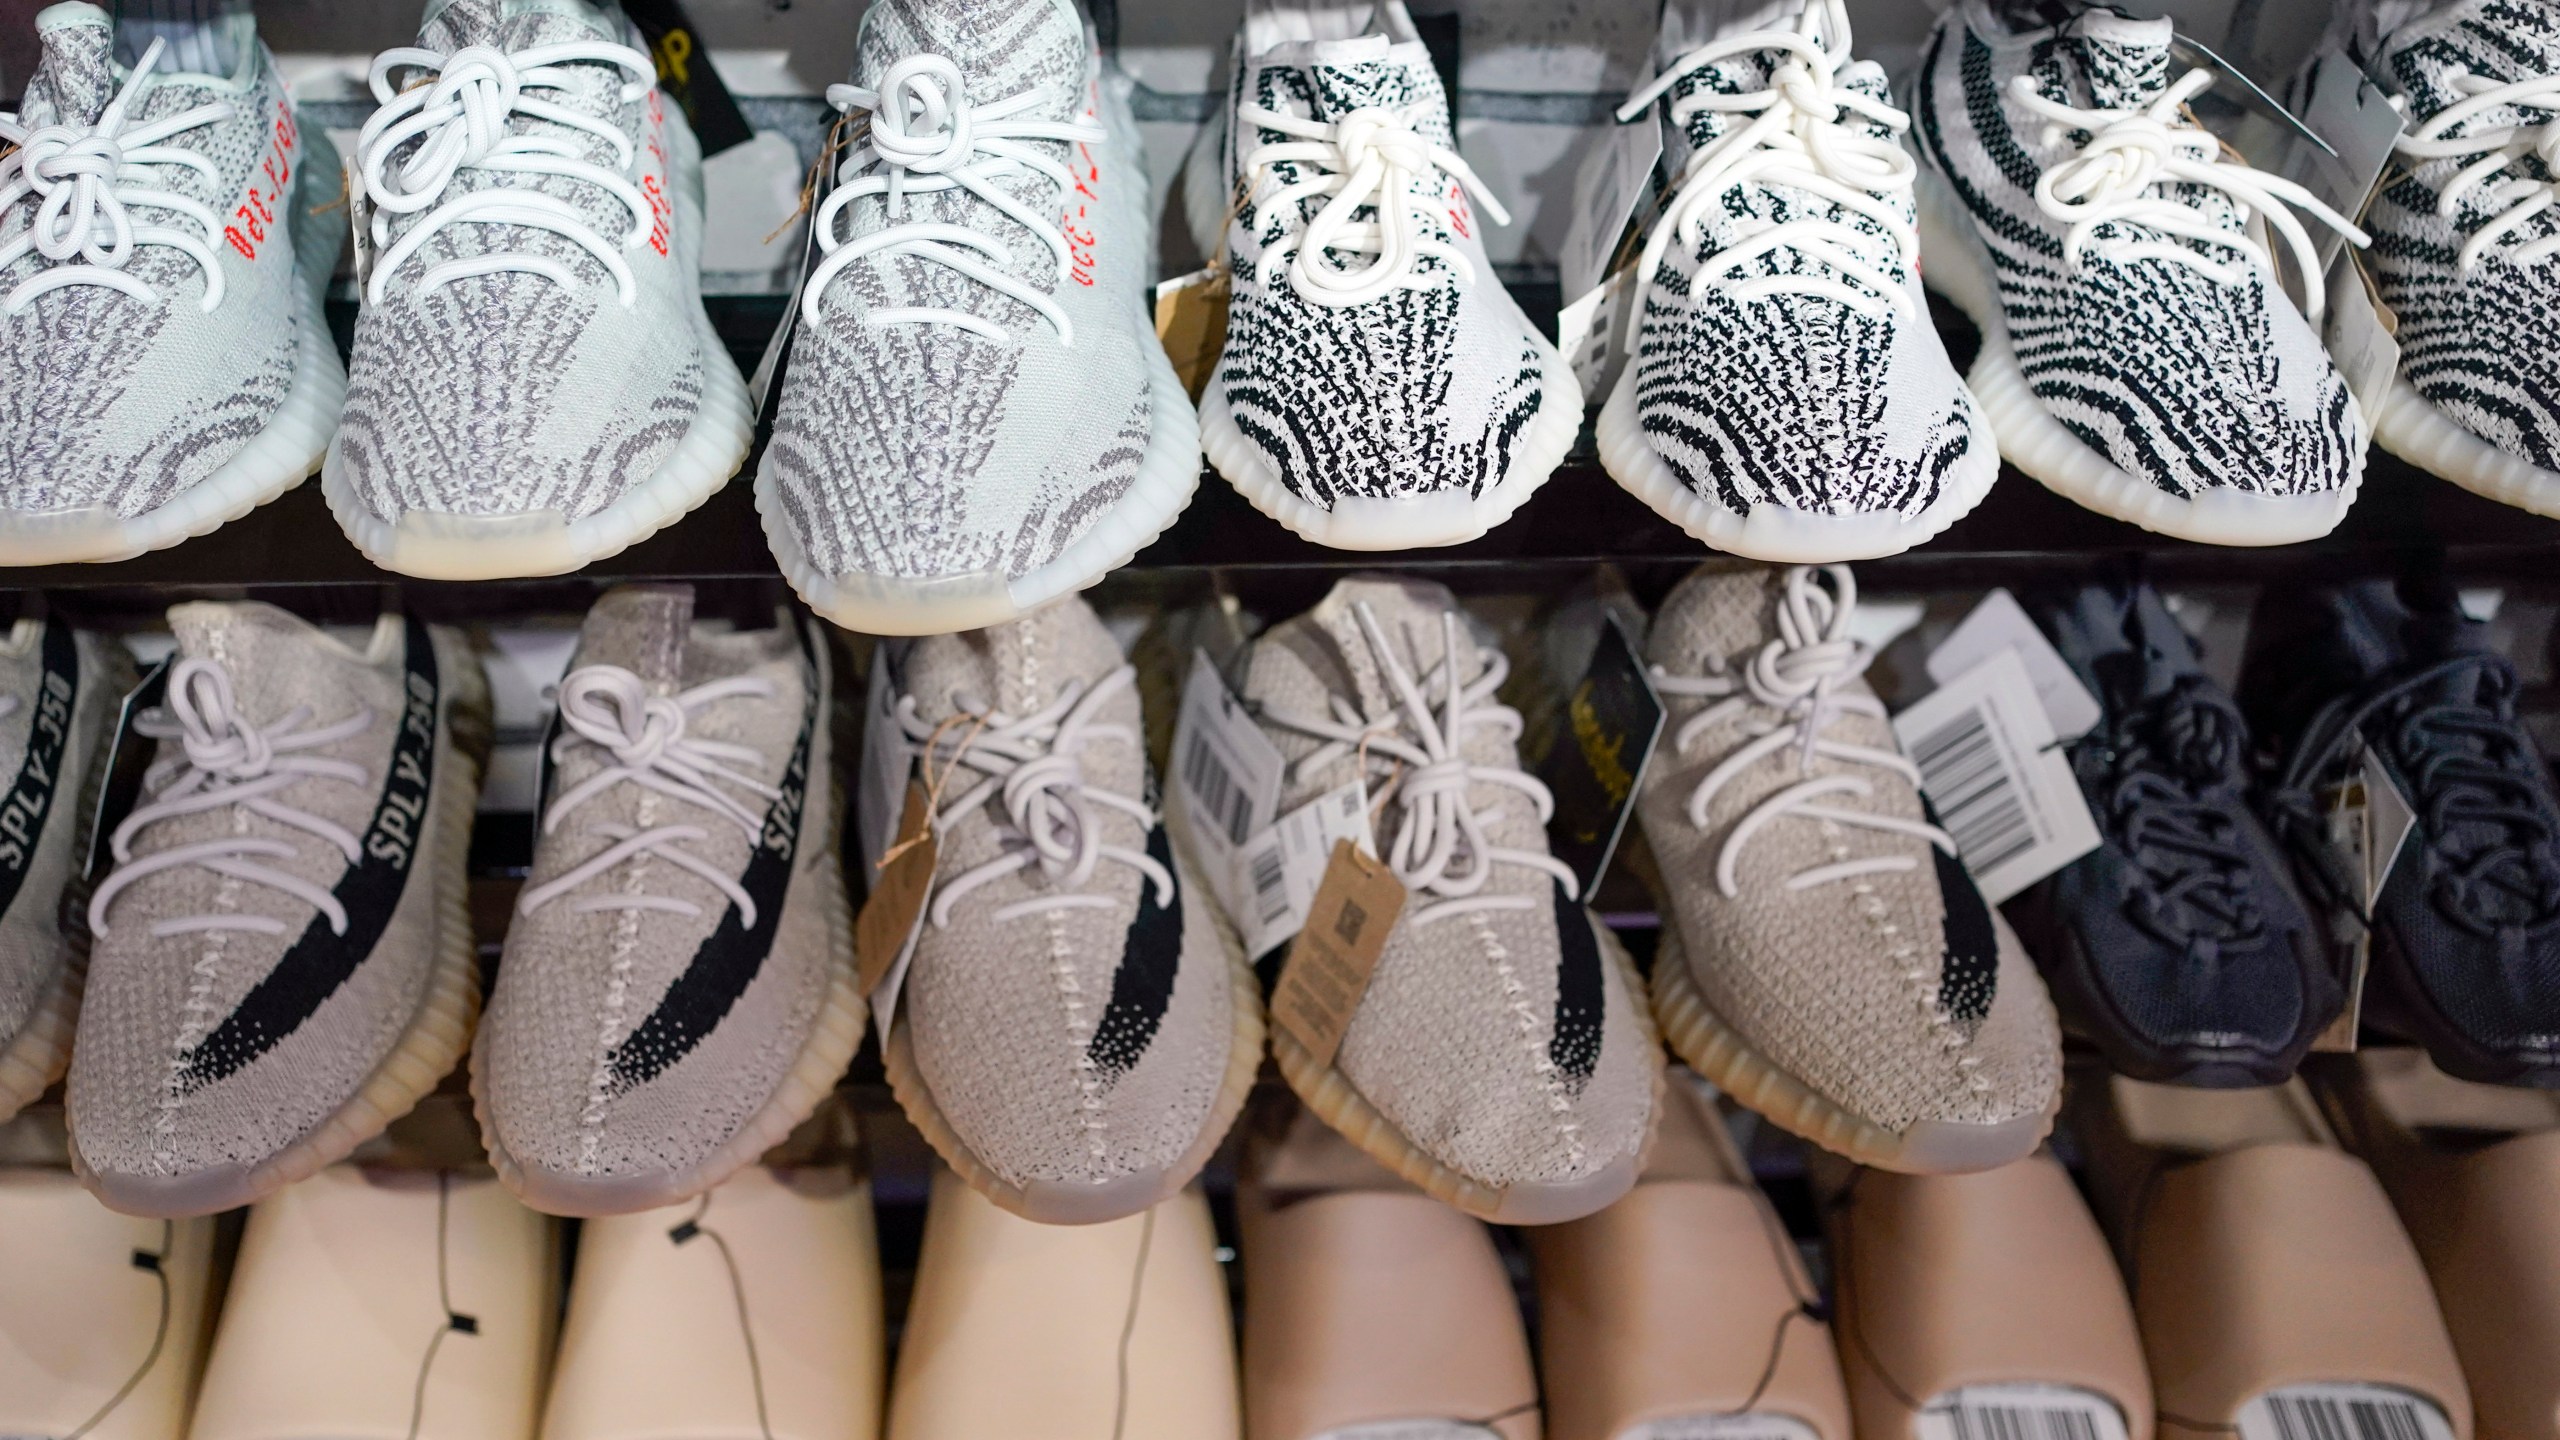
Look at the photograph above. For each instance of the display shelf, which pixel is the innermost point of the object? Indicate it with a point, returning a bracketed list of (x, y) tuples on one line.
[(2403, 517)]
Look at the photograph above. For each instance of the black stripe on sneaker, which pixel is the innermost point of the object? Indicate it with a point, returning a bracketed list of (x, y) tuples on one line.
[(320, 960), (30, 797), (1581, 1002), (1141, 989), (1969, 975), (730, 958)]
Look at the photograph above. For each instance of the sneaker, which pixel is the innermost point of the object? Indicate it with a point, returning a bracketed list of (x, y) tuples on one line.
[(281, 960), (170, 367), (535, 383), (2466, 249), (2465, 931), (1379, 390), (1501, 1058), (1840, 973), (2178, 945), (1787, 396), (1076, 1031), (978, 417), (677, 990), (2139, 354), (59, 693)]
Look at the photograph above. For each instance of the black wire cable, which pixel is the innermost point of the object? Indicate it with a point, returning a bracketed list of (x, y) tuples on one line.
[(687, 1231), (158, 1265), (1129, 1324)]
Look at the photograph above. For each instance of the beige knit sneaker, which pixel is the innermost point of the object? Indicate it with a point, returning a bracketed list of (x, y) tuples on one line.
[(1500, 1058), (1842, 976)]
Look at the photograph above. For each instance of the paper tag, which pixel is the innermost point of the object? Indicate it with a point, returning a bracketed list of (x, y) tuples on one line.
[(1277, 872), (1333, 957), (764, 388), (2337, 154), (2369, 822), (1597, 760), (1750, 1425), (1612, 191), (2020, 1412), (1226, 776), (884, 935), (2336, 1411), (128, 758), (1591, 333), (1191, 323), (2000, 623), (686, 73), (2362, 334), (888, 759), (1997, 777), (359, 227)]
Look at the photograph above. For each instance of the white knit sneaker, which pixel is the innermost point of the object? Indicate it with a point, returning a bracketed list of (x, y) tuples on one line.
[(1501, 1057), (162, 256), (1840, 973), (2466, 248), (535, 383), (1787, 396), (1379, 390), (2139, 354), (977, 416)]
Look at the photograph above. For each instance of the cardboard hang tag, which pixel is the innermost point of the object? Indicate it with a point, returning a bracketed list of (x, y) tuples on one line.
[(884, 935), (2337, 153), (2369, 824), (1329, 965), (1191, 324), (2362, 335)]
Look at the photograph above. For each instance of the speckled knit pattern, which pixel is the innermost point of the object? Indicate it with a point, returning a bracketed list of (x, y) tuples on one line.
[(1502, 1043), (623, 1046), (117, 403), (1071, 1045), (1887, 993)]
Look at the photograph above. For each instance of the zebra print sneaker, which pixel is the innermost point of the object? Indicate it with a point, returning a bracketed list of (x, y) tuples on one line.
[(1787, 397), (2139, 354), (2466, 249), (1379, 389)]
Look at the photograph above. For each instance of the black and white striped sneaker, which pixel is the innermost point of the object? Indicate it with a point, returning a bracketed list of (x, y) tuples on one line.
[(2139, 353), (2466, 249)]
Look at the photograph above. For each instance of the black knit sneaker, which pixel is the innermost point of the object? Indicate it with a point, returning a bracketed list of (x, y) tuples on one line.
[(2179, 945), (2466, 928)]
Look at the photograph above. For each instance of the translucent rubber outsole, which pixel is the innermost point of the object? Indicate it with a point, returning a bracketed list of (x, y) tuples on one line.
[(2411, 427)]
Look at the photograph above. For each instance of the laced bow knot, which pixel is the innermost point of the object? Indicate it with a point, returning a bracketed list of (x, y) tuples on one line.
[(1365, 164), (921, 120), (2487, 152), (2111, 179)]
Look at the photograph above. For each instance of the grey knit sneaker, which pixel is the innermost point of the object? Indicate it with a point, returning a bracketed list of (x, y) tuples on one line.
[(978, 417), (1502, 1058), (59, 692), (282, 961), (535, 383), (168, 365), (1843, 976), (677, 991), (1077, 1029)]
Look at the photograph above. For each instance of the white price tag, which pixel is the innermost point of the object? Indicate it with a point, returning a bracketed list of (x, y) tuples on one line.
[(1277, 871), (1591, 333), (1751, 1425), (2000, 623), (1613, 189), (1226, 776), (888, 758), (2020, 1412), (1997, 777), (2334, 1411), (2362, 335)]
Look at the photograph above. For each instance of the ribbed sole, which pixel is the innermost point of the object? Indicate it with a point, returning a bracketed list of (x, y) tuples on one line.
[(2031, 439), (2412, 428), (426, 1052), (276, 459), (1067, 1204), (1167, 477), (1731, 1065), (1338, 1102), (1771, 532), (41, 1052), (1418, 522), (453, 546)]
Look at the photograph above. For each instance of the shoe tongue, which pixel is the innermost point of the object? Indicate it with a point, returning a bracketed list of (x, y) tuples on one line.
[(1408, 614), (510, 24), (2123, 64), (2503, 40), (1367, 71), (75, 80), (1724, 608), (1003, 47), (267, 652), (643, 629)]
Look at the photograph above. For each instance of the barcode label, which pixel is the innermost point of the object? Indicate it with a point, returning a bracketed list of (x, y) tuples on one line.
[(2342, 1412), (1997, 781), (2021, 1412), (1976, 793), (1270, 888), (1218, 791)]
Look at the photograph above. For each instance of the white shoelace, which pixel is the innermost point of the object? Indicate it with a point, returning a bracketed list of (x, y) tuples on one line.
[(1798, 674), (926, 137), (224, 762), (1367, 160), (1802, 135), (608, 707), (1034, 764), (468, 119), (89, 179), (2522, 196), (2129, 152), (1441, 825)]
